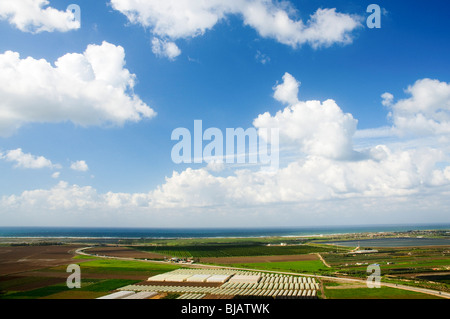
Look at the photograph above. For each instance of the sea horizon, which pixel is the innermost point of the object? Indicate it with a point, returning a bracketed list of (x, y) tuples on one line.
[(205, 232)]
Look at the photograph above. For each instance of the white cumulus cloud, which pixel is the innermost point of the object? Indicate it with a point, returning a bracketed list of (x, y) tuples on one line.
[(287, 92), (313, 179), (426, 111), (165, 48), (324, 28), (399, 181), (92, 88), (178, 19), (37, 16), (80, 166), (318, 128), (389, 173), (388, 98), (27, 160)]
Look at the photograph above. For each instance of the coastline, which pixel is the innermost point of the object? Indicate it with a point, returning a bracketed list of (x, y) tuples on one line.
[(105, 233)]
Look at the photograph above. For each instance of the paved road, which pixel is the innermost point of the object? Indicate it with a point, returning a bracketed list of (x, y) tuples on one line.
[(80, 251)]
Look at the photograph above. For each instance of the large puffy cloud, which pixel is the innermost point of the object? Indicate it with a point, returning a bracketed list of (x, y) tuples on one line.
[(61, 196), (72, 197), (324, 28), (387, 181), (36, 16), (387, 174), (177, 19), (92, 88), (425, 112), (318, 128)]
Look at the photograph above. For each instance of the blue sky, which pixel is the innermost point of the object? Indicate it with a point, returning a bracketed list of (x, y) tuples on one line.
[(224, 72)]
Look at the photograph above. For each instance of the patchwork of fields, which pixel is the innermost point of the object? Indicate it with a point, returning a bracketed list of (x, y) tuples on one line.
[(397, 261), (233, 250), (375, 293), (33, 278), (257, 259), (35, 272), (303, 266)]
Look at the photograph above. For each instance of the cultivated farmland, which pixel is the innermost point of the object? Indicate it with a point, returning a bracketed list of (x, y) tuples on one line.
[(303, 266), (208, 251)]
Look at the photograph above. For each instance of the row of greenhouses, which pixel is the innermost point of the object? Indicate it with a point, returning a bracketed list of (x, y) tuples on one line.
[(273, 285), (192, 283), (223, 291), (191, 296), (227, 276)]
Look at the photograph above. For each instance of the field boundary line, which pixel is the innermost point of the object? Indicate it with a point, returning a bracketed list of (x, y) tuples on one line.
[(323, 260)]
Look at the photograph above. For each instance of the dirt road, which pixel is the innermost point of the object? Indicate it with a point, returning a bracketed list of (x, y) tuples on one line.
[(323, 260)]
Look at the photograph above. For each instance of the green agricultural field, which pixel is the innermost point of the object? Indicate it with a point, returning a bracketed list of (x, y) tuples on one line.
[(214, 241), (111, 266), (305, 266), (117, 268), (392, 261), (232, 250), (403, 266), (83, 257), (16, 283), (89, 289), (375, 293), (119, 273), (108, 285), (35, 293)]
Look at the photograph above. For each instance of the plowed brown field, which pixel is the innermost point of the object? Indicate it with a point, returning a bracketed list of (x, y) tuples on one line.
[(123, 252), (17, 259)]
